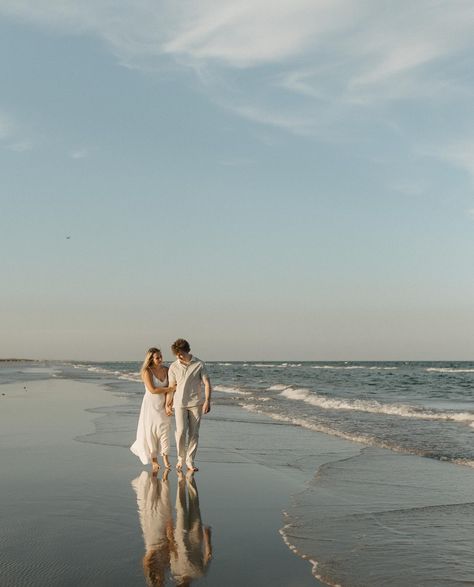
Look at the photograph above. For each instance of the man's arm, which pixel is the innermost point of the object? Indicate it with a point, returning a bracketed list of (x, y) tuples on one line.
[(206, 408)]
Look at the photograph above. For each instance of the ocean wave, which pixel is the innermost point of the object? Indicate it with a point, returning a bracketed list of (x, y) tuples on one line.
[(284, 533), (352, 367), (448, 370), (359, 438), (374, 407), (227, 389), (278, 387), (130, 377), (273, 365)]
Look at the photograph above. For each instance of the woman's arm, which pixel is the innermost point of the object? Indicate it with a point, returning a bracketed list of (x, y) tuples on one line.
[(148, 381)]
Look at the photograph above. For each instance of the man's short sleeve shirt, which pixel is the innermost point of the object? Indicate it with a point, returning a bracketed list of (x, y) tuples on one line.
[(189, 378)]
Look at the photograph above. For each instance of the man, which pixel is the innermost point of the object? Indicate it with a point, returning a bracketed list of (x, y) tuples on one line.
[(189, 375)]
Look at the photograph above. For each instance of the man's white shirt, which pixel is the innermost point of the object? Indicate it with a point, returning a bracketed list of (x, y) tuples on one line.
[(189, 378)]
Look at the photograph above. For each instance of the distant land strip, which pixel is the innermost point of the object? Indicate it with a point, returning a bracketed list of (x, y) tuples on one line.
[(20, 361)]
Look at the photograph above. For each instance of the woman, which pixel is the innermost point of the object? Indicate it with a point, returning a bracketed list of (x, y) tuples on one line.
[(154, 422)]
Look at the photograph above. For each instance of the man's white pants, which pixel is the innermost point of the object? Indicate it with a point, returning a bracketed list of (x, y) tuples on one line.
[(187, 424)]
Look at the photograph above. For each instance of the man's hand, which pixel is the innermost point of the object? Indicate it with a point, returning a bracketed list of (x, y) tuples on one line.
[(206, 407), (169, 409)]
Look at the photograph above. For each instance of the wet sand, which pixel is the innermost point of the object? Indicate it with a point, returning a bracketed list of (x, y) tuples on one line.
[(69, 510)]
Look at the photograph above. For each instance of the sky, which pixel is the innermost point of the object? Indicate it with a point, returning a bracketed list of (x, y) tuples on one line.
[(271, 181)]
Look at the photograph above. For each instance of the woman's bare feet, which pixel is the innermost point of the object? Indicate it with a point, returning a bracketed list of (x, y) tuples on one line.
[(179, 467), (155, 467), (166, 462)]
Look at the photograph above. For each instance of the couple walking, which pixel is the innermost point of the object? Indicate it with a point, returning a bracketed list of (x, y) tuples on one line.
[(177, 389)]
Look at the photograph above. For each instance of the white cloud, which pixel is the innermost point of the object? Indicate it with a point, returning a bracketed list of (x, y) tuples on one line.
[(79, 154), (299, 65), (457, 153), (21, 146), (250, 33), (410, 188), (6, 126), (10, 135)]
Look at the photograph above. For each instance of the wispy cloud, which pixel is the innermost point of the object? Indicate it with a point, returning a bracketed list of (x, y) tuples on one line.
[(21, 146), (6, 126), (79, 153), (11, 135), (457, 153), (304, 66), (409, 188)]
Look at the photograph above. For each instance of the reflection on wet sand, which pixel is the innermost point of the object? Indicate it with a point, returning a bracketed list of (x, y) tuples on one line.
[(184, 548), (192, 542), (156, 519)]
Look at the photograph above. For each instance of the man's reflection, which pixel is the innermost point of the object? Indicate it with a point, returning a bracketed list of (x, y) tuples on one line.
[(184, 548), (192, 553)]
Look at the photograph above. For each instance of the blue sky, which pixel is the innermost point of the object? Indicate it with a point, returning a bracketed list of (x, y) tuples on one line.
[(270, 182)]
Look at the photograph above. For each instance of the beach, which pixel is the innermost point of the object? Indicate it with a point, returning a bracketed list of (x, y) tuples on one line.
[(279, 504)]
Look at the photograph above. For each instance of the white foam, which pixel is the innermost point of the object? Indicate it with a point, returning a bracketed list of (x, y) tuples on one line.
[(130, 376), (352, 367), (360, 438), (314, 564), (278, 387), (374, 407), (449, 370), (265, 365), (227, 389)]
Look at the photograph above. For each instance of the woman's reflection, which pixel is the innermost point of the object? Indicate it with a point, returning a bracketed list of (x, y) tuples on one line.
[(156, 519), (186, 548)]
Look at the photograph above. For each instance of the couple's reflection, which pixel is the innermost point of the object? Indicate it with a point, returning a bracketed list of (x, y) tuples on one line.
[(183, 548)]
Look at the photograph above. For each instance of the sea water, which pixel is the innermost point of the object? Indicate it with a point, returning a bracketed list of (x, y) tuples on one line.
[(425, 409)]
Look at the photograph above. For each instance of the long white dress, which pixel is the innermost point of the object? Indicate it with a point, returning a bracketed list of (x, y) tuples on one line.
[(153, 425)]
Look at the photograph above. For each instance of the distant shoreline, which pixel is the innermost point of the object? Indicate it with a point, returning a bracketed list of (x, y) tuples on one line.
[(21, 361)]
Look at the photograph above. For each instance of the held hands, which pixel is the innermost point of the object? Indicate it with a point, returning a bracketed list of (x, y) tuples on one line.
[(169, 409)]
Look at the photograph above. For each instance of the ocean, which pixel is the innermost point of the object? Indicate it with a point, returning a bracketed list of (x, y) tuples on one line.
[(420, 408)]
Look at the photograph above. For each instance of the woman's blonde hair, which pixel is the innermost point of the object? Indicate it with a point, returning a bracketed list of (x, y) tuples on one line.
[(149, 359)]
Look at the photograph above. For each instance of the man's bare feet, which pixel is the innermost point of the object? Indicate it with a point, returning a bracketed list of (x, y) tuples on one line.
[(193, 468)]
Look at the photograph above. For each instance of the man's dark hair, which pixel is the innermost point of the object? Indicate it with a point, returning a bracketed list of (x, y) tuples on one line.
[(180, 346)]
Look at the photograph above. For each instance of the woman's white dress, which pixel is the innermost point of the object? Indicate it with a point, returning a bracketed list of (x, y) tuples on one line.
[(153, 425)]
